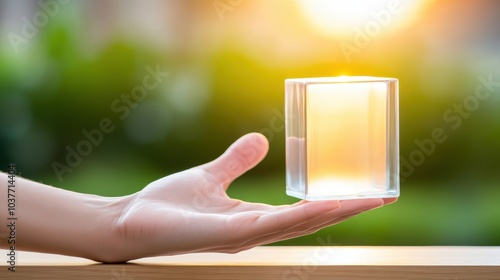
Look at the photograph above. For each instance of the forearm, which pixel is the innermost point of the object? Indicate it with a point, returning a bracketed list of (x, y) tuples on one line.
[(53, 220)]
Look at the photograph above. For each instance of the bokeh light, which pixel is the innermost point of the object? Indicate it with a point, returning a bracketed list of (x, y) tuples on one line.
[(339, 18)]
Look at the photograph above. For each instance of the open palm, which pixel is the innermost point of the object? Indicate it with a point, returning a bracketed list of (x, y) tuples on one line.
[(190, 211)]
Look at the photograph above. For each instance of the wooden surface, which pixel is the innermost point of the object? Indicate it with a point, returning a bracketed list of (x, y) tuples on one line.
[(297, 263)]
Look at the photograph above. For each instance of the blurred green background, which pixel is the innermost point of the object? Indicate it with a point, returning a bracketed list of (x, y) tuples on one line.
[(67, 65)]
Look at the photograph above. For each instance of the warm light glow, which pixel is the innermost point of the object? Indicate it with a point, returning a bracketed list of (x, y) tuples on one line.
[(346, 136), (338, 186), (342, 18)]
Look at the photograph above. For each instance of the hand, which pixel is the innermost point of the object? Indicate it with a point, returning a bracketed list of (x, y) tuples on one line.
[(190, 211)]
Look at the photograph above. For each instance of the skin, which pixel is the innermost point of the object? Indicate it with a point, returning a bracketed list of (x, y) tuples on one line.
[(185, 212)]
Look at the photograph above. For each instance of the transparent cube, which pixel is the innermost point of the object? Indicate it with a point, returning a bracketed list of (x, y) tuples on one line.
[(342, 138)]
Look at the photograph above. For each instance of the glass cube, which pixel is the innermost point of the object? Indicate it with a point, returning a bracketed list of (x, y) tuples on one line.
[(342, 138)]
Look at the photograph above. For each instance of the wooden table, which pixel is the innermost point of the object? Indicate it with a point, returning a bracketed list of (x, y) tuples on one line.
[(294, 263)]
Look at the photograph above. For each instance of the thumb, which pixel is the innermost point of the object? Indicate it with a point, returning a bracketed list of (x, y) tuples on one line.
[(241, 156)]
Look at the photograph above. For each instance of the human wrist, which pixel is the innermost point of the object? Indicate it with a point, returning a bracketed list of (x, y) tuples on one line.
[(108, 243), (54, 220)]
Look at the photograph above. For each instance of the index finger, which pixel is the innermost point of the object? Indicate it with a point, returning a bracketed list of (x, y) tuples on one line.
[(301, 217)]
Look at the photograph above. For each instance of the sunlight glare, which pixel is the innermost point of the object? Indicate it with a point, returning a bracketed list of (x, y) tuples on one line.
[(340, 18)]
